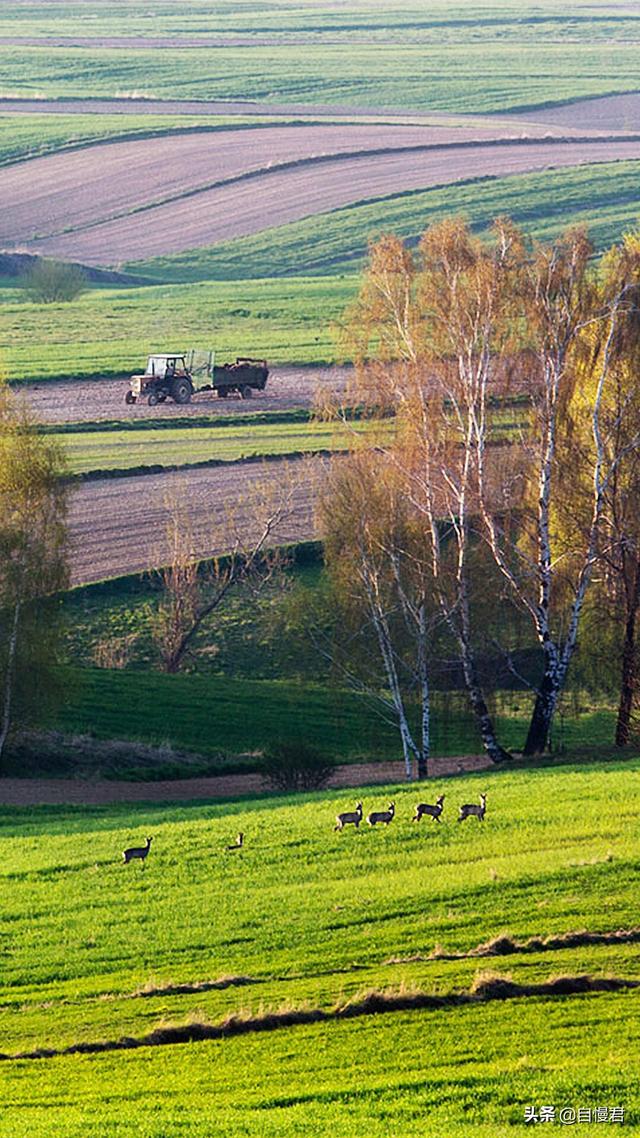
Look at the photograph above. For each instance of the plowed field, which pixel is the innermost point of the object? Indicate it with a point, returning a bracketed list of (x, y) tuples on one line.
[(131, 201), (117, 526), (101, 399)]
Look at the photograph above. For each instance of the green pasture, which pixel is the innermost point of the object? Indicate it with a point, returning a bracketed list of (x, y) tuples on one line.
[(443, 22), (476, 65), (225, 717), (111, 450), (123, 450), (111, 331), (604, 197), (304, 917)]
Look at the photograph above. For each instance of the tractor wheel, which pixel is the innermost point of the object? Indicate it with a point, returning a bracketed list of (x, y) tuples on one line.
[(246, 392), (129, 398), (181, 391), (152, 399)]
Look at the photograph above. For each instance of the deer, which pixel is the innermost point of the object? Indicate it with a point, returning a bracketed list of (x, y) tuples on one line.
[(239, 842), (472, 808), (140, 852), (350, 816), (384, 816), (424, 810)]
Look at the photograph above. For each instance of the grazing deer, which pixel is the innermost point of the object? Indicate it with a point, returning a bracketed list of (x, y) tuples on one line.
[(472, 808), (137, 851), (351, 816), (424, 810), (384, 816), (239, 842)]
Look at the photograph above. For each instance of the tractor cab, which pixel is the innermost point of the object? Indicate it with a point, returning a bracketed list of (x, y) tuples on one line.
[(165, 367), (165, 376)]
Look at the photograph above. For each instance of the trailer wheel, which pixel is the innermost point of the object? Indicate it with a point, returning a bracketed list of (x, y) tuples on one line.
[(129, 398), (152, 399), (246, 392), (181, 391)]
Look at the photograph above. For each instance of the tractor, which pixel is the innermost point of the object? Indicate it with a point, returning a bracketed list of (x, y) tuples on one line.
[(177, 376)]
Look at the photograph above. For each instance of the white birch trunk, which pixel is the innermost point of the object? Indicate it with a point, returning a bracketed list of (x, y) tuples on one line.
[(8, 681)]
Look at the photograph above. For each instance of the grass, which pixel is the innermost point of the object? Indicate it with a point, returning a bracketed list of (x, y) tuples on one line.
[(487, 72), (123, 450), (111, 331), (238, 715), (603, 196), (97, 951)]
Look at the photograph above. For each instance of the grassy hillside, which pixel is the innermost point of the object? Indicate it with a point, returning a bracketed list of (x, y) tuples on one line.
[(308, 920), (468, 65), (111, 331), (233, 715), (604, 197)]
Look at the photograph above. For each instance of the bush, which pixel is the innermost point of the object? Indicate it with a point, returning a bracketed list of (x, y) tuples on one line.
[(296, 766), (54, 282)]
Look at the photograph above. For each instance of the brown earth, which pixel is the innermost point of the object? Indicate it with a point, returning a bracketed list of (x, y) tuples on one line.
[(46, 195), (610, 112), (40, 792), (77, 401), (117, 525), (78, 205), (604, 112)]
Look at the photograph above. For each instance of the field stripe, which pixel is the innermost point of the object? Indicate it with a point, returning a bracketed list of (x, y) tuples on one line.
[(497, 988), (272, 198)]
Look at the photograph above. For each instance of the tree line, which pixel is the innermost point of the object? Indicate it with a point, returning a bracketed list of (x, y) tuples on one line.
[(506, 495)]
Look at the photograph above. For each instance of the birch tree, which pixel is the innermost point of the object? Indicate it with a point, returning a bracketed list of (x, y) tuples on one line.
[(33, 543), (548, 574), (375, 557), (427, 334), (617, 569)]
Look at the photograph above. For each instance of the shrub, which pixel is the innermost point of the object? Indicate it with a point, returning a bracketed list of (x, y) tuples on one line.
[(54, 282), (296, 766)]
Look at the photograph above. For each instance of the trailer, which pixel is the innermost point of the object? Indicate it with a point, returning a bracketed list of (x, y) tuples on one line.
[(179, 376)]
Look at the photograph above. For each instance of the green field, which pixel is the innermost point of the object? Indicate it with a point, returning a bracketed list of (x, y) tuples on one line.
[(306, 919), (294, 320), (122, 450), (603, 196), (459, 64), (111, 331), (232, 715)]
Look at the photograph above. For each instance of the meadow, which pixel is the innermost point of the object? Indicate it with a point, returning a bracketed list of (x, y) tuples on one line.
[(308, 922), (458, 64), (255, 295), (313, 982), (110, 331), (88, 452)]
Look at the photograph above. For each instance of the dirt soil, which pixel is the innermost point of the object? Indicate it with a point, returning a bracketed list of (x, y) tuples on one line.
[(604, 112), (610, 112), (79, 205), (77, 401), (40, 792), (118, 526)]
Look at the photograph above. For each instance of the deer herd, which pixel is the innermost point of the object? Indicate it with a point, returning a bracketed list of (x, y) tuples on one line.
[(353, 818), (423, 810)]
